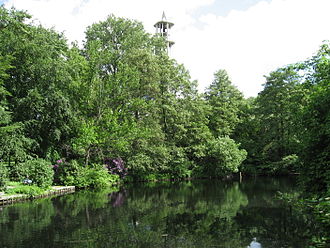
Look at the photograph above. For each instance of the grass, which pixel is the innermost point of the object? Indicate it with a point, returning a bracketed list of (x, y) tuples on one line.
[(18, 188), (14, 188), (11, 183)]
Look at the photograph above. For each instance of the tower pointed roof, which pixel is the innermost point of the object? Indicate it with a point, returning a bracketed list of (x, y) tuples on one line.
[(163, 29), (164, 20)]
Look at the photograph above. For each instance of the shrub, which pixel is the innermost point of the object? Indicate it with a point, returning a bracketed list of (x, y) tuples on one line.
[(116, 166), (140, 164), (38, 170), (65, 173), (99, 177), (71, 173), (150, 159), (95, 177), (223, 157), (3, 176), (180, 166), (18, 171)]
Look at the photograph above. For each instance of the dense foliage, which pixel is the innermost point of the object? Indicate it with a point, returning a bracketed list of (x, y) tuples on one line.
[(3, 176), (119, 106), (39, 171), (285, 129), (120, 97)]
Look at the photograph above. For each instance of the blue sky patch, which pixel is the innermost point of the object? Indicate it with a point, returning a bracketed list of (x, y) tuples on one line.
[(223, 7)]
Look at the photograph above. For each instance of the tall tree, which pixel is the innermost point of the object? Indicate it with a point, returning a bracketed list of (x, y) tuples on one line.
[(225, 100), (277, 104), (270, 128), (38, 81), (247, 133), (124, 89), (13, 143), (223, 155), (315, 173)]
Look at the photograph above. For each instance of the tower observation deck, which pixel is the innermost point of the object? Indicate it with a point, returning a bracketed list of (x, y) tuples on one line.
[(163, 29)]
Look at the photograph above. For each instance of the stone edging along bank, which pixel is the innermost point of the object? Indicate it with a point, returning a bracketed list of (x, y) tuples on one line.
[(56, 190)]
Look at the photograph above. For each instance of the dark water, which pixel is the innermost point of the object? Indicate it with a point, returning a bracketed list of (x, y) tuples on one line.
[(172, 214)]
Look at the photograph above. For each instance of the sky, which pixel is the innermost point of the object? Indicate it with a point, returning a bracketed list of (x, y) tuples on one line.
[(247, 38)]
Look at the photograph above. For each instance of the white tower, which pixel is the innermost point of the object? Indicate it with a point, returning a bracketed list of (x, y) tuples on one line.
[(162, 28)]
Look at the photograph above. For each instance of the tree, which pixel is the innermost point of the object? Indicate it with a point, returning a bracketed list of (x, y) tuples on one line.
[(277, 105), (144, 104), (222, 154), (315, 173), (123, 77), (13, 143), (223, 157), (120, 96), (225, 100), (37, 82), (247, 133), (270, 129)]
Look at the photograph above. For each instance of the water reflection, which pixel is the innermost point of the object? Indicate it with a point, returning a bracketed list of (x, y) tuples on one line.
[(117, 198), (186, 214)]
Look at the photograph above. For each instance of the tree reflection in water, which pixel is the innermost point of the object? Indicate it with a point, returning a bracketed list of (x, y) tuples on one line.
[(171, 214), (117, 198)]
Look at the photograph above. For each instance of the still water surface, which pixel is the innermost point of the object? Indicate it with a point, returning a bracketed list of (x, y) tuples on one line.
[(172, 214)]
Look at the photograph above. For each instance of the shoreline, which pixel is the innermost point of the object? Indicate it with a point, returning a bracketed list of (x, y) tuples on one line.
[(55, 191)]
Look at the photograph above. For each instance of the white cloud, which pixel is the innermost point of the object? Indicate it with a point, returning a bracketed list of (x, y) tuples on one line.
[(74, 16), (248, 44)]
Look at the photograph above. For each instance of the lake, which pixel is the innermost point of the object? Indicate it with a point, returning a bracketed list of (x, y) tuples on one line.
[(199, 213)]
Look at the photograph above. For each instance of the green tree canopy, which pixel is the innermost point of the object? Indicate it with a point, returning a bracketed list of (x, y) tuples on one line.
[(225, 100)]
